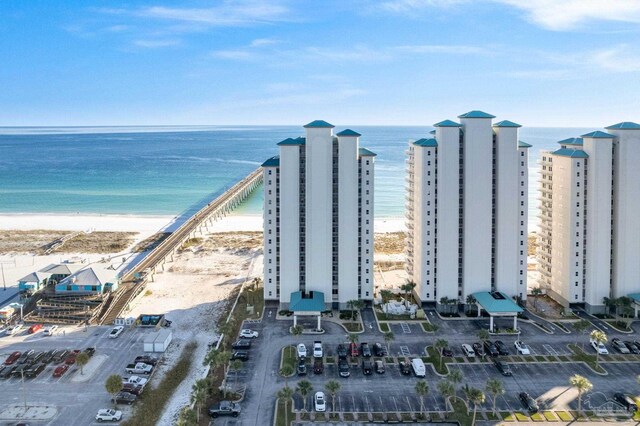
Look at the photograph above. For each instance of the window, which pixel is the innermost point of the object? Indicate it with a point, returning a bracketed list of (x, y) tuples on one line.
[(269, 173), (367, 173)]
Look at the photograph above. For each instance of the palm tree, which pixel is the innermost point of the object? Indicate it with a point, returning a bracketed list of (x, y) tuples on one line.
[(455, 377), (580, 327), (446, 389), (627, 313), (608, 304), (476, 397), (303, 388), (444, 301), (582, 385), (422, 389), (332, 387), (386, 295), (483, 335), (297, 330), (388, 337), (286, 371), (352, 337), (82, 359), (199, 395), (216, 358), (495, 388), (466, 391), (236, 365), (407, 288), (351, 304), (113, 385), (536, 291), (471, 301), (286, 393), (439, 345), (599, 337), (225, 330)]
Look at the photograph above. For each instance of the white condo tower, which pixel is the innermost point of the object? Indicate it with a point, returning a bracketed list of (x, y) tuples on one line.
[(318, 218), (467, 210), (589, 240)]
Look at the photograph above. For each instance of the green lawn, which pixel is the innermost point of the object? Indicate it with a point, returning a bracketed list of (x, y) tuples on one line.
[(522, 417), (510, 417), (434, 358), (550, 416), (564, 416), (289, 357), (579, 355), (537, 417), (384, 327), (428, 327), (352, 326)]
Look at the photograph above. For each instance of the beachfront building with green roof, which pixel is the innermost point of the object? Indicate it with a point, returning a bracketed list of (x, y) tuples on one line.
[(318, 218), (589, 238), (467, 210)]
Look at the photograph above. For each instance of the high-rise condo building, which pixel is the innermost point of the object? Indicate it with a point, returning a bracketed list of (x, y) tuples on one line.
[(589, 240), (318, 219), (467, 210)]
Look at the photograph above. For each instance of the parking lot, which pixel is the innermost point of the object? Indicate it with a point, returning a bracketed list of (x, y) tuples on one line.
[(75, 397)]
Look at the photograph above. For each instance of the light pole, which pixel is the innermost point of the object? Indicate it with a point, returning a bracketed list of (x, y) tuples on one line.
[(24, 393)]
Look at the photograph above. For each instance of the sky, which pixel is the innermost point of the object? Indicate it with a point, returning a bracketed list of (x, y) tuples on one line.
[(559, 63)]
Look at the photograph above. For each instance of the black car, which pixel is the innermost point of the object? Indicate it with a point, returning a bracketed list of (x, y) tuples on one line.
[(342, 352), (405, 367), (626, 401), (379, 350), (490, 348), (241, 355), (132, 389), (318, 366), (447, 352), (147, 359), (34, 370), (91, 351), (365, 350), (529, 403), (60, 356), (302, 367), (502, 348), (343, 368), (367, 367), (48, 357), (241, 344), (35, 358), (23, 358), (123, 397), (503, 368), (20, 370), (7, 372), (632, 348), (477, 348)]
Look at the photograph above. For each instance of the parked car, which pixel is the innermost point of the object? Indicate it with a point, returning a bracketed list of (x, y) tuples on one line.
[(14, 329), (241, 355), (317, 349), (619, 346), (353, 350), (599, 347), (147, 359), (419, 369), (367, 367), (405, 367), (302, 350), (19, 370), (11, 359), (60, 370), (225, 408), (529, 403), (135, 380), (245, 333), (503, 368), (522, 348), (108, 415), (632, 348), (365, 349), (132, 389), (478, 349), (447, 352), (636, 343), (116, 331), (7, 371), (60, 356), (343, 368), (626, 401), (35, 370), (50, 331), (379, 365), (379, 349), (90, 351), (48, 357), (124, 398), (318, 366), (342, 352), (34, 328), (302, 367), (467, 350), (241, 344), (490, 348), (35, 357), (502, 348), (320, 402), (24, 356), (71, 357), (138, 368)]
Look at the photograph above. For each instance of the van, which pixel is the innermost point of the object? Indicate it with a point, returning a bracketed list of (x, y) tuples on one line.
[(468, 351), (418, 367)]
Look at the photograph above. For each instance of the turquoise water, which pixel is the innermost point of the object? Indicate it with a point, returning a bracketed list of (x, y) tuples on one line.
[(171, 170)]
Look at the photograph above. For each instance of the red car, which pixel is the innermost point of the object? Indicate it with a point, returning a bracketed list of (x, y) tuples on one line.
[(12, 358), (34, 328), (71, 358), (353, 349), (59, 371)]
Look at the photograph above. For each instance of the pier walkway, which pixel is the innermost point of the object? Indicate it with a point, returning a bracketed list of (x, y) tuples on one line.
[(133, 281)]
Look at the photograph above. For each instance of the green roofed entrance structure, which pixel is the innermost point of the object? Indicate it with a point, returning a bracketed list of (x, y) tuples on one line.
[(306, 304), (497, 304)]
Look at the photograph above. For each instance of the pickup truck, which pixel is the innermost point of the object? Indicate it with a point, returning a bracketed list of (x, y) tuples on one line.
[(225, 408), (135, 380), (139, 368)]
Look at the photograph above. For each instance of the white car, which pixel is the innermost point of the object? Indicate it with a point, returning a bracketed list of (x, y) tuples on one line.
[(522, 348), (50, 331), (317, 349), (600, 348), (116, 331), (108, 415), (248, 334), (14, 329), (320, 401), (302, 350)]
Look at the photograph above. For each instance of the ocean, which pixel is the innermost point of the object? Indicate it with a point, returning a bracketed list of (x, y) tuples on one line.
[(172, 170)]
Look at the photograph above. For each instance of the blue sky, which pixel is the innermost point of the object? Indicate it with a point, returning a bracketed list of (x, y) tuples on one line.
[(537, 62)]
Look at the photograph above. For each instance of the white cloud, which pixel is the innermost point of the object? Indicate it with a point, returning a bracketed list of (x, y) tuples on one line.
[(443, 48), (357, 53), (403, 6), (234, 54), (260, 42), (617, 59), (154, 44)]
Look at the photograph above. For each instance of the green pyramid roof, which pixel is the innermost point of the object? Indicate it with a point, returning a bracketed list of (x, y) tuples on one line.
[(319, 123), (447, 123), (522, 144), (364, 152), (625, 125), (506, 123), (476, 114), (598, 135), (272, 162), (426, 142), (348, 132)]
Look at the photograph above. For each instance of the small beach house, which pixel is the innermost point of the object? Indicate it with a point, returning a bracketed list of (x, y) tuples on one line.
[(88, 281), (32, 283)]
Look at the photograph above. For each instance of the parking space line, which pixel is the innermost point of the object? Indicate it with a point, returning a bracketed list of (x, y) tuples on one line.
[(404, 350), (405, 328), (550, 349)]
